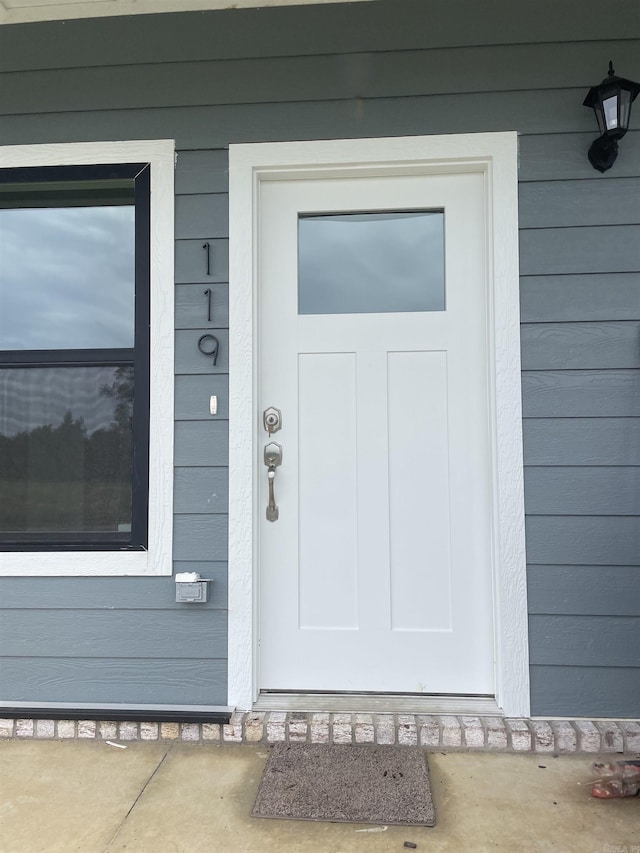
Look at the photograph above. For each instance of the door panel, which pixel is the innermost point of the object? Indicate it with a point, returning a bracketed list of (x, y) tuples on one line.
[(327, 493), (377, 574), (419, 491)]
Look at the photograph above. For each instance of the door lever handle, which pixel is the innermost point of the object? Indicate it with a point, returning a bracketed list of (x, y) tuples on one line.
[(272, 459)]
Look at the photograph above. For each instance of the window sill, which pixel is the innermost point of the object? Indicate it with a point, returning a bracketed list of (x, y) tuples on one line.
[(83, 564)]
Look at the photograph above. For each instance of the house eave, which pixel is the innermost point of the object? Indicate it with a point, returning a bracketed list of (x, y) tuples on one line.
[(32, 11)]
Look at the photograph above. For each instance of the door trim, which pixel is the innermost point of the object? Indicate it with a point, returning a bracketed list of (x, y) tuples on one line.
[(495, 156)]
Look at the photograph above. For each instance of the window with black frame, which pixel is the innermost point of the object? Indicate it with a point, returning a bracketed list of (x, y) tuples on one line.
[(74, 357)]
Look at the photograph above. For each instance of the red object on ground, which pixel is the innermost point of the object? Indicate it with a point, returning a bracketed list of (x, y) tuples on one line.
[(619, 779)]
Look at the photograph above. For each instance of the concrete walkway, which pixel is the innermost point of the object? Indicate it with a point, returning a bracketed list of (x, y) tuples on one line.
[(91, 797)]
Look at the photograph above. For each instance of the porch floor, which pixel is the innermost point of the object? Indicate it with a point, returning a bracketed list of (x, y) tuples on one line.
[(92, 797)]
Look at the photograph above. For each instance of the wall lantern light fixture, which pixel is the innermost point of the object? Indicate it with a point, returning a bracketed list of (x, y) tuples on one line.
[(611, 102)]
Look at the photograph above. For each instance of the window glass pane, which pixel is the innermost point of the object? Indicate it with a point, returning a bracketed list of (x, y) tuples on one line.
[(371, 262), (67, 276), (65, 453)]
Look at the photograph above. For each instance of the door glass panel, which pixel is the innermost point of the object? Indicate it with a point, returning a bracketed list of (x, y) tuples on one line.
[(66, 453), (371, 262), (67, 277)]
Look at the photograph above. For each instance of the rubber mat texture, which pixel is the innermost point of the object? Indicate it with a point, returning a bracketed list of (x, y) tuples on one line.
[(346, 783)]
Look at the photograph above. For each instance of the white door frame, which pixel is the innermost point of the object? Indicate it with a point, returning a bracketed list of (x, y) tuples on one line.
[(495, 156)]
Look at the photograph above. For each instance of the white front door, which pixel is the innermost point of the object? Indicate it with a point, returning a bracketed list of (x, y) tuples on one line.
[(373, 318)]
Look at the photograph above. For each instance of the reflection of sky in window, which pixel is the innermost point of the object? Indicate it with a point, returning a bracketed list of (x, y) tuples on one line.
[(67, 277), (371, 262)]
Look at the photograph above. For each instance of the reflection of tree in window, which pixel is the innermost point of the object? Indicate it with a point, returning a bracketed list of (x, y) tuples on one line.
[(121, 389), (65, 478)]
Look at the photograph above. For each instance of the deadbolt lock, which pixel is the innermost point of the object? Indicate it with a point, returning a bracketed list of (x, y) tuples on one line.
[(272, 419)]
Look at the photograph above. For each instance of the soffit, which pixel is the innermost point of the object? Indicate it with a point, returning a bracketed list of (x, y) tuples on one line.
[(28, 11)]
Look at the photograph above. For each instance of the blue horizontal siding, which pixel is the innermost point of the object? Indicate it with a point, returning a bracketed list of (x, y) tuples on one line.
[(313, 72)]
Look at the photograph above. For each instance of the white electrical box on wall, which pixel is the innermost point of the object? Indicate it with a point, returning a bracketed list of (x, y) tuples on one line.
[(191, 588)]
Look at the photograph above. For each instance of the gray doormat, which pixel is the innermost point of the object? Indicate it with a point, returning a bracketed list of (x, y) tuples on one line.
[(355, 784)]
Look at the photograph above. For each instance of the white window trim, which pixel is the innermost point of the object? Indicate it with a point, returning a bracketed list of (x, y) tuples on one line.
[(496, 155), (157, 559)]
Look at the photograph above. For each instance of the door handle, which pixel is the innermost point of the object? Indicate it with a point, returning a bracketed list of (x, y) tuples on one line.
[(272, 459)]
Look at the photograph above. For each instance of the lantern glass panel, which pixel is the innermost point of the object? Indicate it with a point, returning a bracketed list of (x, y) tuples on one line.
[(610, 106), (599, 111), (625, 108)]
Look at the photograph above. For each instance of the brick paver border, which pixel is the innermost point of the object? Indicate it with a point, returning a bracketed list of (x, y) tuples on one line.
[(459, 733)]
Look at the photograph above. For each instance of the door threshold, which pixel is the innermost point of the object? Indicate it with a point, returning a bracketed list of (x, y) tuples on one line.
[(377, 703)]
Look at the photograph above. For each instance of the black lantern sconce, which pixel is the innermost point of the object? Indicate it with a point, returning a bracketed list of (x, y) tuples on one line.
[(611, 102)]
